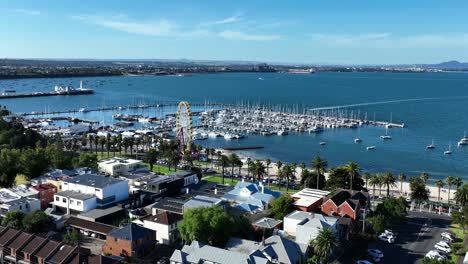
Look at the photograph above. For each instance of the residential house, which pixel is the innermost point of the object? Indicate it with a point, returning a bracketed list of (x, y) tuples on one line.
[(251, 195), (275, 249), (25, 205), (200, 253), (305, 226), (131, 240), (118, 166), (204, 201), (46, 193), (346, 203), (88, 191), (165, 224), (173, 183), (309, 200)]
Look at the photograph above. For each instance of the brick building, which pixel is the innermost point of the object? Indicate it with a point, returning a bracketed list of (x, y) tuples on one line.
[(345, 203), (131, 240), (46, 193)]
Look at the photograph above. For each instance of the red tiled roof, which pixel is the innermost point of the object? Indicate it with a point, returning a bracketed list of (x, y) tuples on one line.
[(44, 187)]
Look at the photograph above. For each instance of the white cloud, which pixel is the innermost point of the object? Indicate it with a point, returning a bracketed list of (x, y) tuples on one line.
[(27, 12), (387, 40), (229, 20), (166, 28), (238, 35)]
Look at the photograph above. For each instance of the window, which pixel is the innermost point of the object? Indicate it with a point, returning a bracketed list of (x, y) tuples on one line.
[(78, 203), (71, 201), (57, 199), (64, 200), (21, 207), (27, 206)]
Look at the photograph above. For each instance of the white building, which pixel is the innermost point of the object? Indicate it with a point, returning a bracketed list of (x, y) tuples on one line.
[(118, 166), (165, 224), (306, 226), (85, 192), (25, 205)]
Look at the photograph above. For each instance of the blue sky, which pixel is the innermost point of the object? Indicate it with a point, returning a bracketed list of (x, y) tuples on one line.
[(333, 32)]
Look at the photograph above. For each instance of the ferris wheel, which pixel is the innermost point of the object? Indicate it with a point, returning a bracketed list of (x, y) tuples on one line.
[(184, 126)]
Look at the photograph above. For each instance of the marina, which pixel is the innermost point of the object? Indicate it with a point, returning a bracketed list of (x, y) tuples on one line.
[(58, 91), (349, 121)]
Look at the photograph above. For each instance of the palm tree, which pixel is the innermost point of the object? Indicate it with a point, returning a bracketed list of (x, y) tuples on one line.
[(458, 182), (424, 176), (268, 162), (352, 169), (380, 176), (320, 166), (258, 169), (375, 180), (294, 169), (102, 142), (249, 162), (367, 176), (287, 172), (224, 163), (233, 161), (302, 165), (439, 184), (402, 178), (325, 244), (389, 180), (461, 195), (449, 181)]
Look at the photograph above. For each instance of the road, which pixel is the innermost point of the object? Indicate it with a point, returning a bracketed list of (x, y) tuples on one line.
[(414, 238)]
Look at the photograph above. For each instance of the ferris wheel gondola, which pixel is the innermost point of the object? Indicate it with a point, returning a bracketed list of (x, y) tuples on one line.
[(184, 126)]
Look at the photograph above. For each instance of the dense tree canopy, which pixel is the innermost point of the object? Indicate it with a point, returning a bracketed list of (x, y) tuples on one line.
[(13, 219), (419, 192), (340, 178), (282, 206), (37, 222)]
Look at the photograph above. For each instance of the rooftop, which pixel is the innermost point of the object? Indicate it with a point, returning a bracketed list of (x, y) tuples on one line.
[(20, 240), (116, 161), (201, 200), (47, 248), (164, 218), (19, 201), (131, 232), (44, 187), (33, 244), (173, 205), (93, 180), (8, 235), (23, 190), (75, 195), (307, 196), (7, 196), (89, 225), (97, 213), (62, 254)]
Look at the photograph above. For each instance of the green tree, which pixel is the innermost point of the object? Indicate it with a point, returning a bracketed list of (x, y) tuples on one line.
[(424, 176), (419, 192), (375, 180), (439, 184), (353, 170), (458, 182), (73, 237), (461, 218), (257, 169), (282, 206), (268, 162), (427, 260), (38, 222), (378, 223), (309, 179), (449, 181), (461, 195), (325, 244), (286, 173), (366, 177), (151, 157), (87, 159), (234, 162), (320, 166), (402, 178), (13, 219), (209, 225), (9, 166), (34, 162), (388, 180), (224, 160)]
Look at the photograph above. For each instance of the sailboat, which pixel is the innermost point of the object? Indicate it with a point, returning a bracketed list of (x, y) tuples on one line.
[(449, 151), (463, 141), (358, 139), (386, 136), (431, 146)]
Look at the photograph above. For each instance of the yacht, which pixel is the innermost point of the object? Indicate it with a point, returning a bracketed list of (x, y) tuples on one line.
[(282, 132), (143, 120), (463, 141), (357, 140), (315, 129), (386, 136), (213, 134), (370, 148), (431, 146), (265, 133), (323, 143), (227, 136), (82, 110), (237, 136), (449, 151)]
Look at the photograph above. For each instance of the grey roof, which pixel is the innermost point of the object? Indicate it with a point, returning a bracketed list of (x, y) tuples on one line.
[(198, 253), (266, 222), (202, 201), (276, 248), (93, 180), (131, 232), (75, 195), (19, 201), (97, 213)]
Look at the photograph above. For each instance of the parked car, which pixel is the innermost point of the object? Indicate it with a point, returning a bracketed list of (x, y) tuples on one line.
[(390, 233), (445, 243), (375, 253), (447, 236), (435, 254), (363, 262), (442, 248), (387, 238)]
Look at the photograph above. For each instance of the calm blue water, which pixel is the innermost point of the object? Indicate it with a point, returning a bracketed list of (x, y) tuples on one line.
[(432, 105)]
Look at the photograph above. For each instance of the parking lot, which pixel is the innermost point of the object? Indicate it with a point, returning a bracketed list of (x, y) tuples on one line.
[(415, 238)]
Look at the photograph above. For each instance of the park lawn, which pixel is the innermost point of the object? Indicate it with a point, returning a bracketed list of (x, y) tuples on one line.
[(159, 168), (233, 182), (21, 179), (461, 235)]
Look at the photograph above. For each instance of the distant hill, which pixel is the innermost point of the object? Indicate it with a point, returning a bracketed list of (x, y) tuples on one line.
[(449, 65)]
